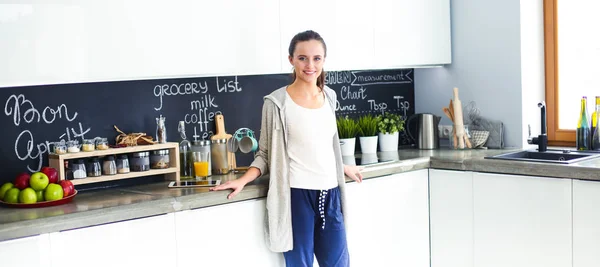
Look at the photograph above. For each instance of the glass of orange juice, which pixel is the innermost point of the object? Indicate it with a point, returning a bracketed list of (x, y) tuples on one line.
[(201, 164)]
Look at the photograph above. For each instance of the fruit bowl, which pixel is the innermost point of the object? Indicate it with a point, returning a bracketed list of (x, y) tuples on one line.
[(41, 204)]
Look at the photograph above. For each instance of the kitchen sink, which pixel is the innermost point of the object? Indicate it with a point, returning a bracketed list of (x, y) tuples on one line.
[(550, 156)]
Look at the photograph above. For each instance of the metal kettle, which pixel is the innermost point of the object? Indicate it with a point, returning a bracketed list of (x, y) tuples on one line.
[(425, 130)]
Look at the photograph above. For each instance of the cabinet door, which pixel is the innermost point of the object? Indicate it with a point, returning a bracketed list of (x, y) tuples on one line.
[(451, 216), (388, 220), (412, 32), (521, 221), (28, 251), (141, 242), (586, 223), (224, 235)]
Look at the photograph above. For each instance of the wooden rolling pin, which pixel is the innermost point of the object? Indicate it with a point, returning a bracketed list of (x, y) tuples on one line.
[(458, 120)]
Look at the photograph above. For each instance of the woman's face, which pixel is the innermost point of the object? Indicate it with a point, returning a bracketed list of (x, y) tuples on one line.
[(308, 60)]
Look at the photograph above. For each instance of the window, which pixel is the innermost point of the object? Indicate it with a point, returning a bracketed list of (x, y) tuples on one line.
[(572, 53)]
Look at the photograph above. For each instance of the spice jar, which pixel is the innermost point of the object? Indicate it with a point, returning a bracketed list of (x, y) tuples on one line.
[(94, 169), (73, 146), (88, 145), (122, 164), (159, 159), (140, 161), (219, 157), (60, 147), (109, 166), (78, 168), (101, 143)]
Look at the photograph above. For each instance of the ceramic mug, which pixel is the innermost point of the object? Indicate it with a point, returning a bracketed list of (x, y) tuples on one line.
[(247, 142)]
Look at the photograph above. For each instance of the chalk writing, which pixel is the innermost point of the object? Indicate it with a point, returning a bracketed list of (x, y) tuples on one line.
[(338, 77), (228, 86), (381, 107), (161, 90), (371, 78), (347, 93), (14, 104)]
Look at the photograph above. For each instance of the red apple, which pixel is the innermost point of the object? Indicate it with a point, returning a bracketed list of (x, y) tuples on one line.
[(51, 173), (22, 180), (68, 187)]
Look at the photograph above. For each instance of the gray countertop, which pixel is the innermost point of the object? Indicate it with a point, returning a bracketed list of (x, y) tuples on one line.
[(113, 205)]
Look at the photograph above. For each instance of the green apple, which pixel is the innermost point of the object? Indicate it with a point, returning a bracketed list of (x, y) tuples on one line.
[(39, 195), (5, 188), (53, 192), (12, 195), (38, 181), (27, 196)]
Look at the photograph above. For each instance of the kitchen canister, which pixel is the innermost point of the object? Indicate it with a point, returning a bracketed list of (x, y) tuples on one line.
[(218, 155)]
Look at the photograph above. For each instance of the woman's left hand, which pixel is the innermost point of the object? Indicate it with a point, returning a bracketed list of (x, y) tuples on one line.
[(354, 172)]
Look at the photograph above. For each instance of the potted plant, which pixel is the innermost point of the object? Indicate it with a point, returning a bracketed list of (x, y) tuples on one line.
[(347, 130), (389, 125), (367, 132)]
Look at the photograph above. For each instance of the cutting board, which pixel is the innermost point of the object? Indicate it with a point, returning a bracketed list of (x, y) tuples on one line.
[(222, 134)]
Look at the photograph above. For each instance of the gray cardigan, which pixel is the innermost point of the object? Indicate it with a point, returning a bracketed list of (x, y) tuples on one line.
[(272, 158)]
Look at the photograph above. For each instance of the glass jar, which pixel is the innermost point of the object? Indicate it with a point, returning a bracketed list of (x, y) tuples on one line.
[(140, 161), (101, 143), (88, 145), (219, 156), (94, 169), (454, 142), (122, 164), (60, 147), (73, 146), (159, 159), (203, 147), (78, 168), (109, 166)]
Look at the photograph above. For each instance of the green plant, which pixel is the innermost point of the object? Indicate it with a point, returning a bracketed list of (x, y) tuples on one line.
[(347, 127), (367, 125), (389, 123)]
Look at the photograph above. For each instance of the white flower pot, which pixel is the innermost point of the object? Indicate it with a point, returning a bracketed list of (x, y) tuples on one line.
[(368, 144), (388, 142), (347, 146)]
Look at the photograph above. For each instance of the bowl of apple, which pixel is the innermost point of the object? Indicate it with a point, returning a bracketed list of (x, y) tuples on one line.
[(40, 189)]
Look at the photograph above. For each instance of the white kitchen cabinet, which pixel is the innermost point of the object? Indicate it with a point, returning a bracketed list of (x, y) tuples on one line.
[(346, 27), (451, 216), (388, 220), (224, 235), (586, 223), (412, 33), (521, 221), (28, 251), (140, 242)]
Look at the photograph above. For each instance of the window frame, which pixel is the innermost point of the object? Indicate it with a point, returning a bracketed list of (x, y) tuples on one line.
[(556, 136)]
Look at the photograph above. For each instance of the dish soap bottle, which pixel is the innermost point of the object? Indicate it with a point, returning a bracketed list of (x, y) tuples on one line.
[(583, 127), (185, 154)]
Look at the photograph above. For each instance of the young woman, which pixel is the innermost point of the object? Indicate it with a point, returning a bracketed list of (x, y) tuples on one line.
[(299, 148)]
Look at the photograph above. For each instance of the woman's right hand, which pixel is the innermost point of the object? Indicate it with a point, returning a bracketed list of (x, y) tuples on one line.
[(236, 185)]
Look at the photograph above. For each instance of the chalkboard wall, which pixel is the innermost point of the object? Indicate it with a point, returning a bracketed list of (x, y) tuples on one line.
[(37, 115)]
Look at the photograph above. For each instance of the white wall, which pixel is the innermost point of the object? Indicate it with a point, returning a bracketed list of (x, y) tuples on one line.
[(487, 65)]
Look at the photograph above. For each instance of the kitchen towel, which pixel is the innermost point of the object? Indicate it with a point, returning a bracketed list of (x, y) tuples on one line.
[(496, 129)]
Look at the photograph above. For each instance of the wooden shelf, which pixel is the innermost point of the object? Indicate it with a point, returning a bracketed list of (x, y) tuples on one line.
[(112, 151), (58, 162), (105, 178)]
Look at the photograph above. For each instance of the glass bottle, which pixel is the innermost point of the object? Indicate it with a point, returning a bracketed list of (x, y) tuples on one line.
[(595, 133), (583, 127), (161, 130), (185, 154)]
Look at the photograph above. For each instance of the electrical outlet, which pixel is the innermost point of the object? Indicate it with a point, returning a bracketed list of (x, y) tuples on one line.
[(444, 131)]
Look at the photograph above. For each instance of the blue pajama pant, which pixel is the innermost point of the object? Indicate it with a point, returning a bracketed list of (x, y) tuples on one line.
[(318, 227)]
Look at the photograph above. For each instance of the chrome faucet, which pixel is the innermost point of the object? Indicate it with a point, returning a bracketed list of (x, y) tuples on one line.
[(542, 139)]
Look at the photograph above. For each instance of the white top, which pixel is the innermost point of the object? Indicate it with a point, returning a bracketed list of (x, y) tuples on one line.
[(310, 131)]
